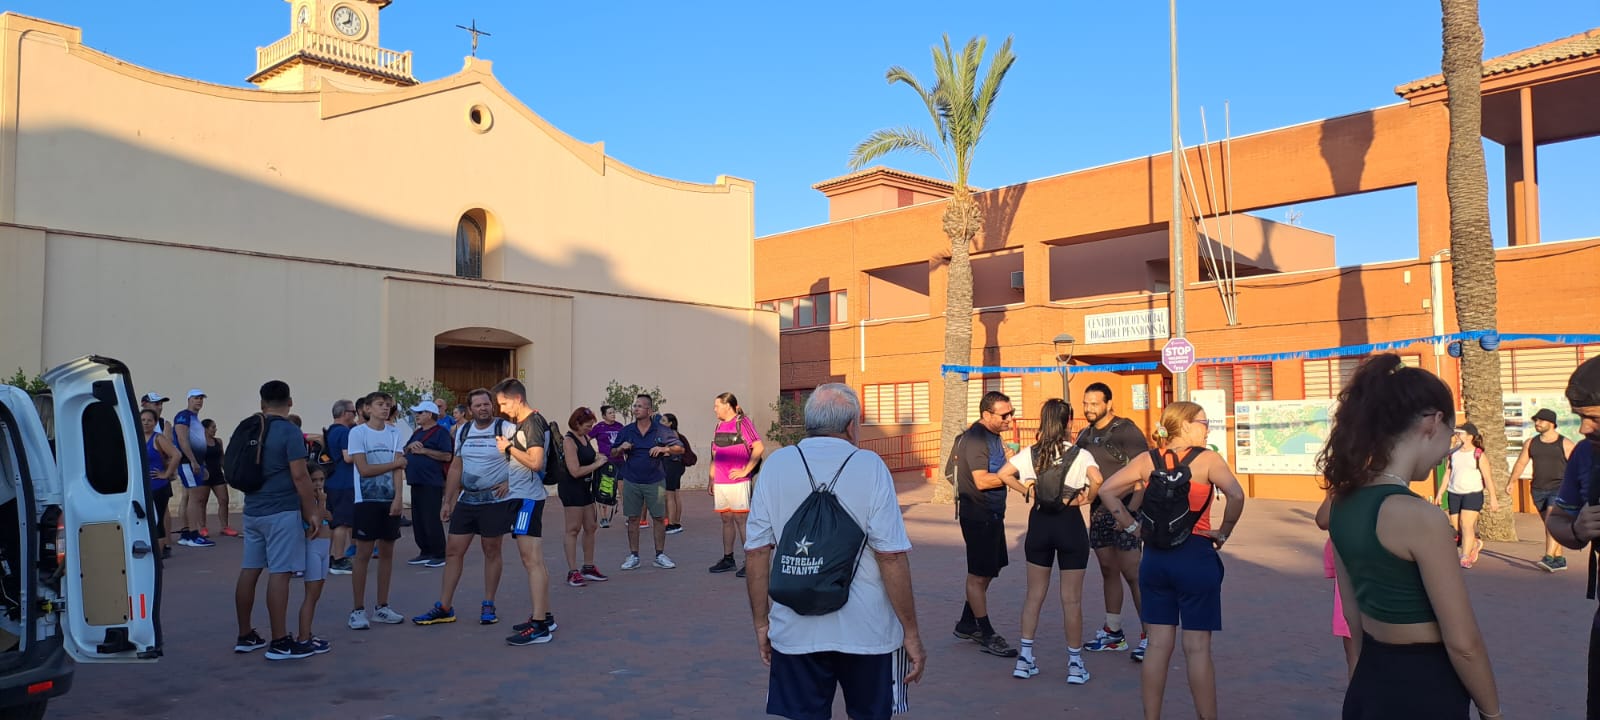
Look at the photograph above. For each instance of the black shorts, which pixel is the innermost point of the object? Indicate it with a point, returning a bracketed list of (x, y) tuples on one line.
[(214, 478), (986, 546), (674, 476), (527, 519), (372, 521), (801, 687), (1470, 501), (1103, 532), (575, 493), (1057, 537), (341, 505), (490, 520), (1385, 682), (160, 500)]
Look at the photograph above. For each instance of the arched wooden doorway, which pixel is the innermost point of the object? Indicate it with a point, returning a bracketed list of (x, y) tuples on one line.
[(476, 357)]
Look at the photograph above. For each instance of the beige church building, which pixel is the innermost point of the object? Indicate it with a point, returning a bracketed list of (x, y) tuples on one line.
[(343, 222)]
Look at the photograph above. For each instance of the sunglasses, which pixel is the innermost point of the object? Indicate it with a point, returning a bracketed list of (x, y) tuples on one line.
[(1203, 423)]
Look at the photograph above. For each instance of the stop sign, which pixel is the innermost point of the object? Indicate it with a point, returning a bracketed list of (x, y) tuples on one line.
[(1177, 356)]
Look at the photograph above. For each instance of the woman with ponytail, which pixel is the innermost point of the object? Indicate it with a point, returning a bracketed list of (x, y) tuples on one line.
[(1411, 620)]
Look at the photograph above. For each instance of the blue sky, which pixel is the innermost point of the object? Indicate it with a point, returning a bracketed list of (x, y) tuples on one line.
[(779, 92)]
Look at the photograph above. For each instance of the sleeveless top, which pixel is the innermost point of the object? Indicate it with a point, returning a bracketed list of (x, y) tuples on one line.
[(586, 452), (213, 461), (1465, 478), (1388, 589), (1549, 463), (152, 457)]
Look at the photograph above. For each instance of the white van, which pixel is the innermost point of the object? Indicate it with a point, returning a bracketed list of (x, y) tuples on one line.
[(79, 577)]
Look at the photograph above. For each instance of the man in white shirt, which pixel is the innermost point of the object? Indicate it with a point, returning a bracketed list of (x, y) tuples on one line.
[(870, 647), (377, 450)]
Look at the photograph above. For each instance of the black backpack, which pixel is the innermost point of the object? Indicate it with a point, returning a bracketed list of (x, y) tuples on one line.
[(817, 554), (555, 461), (1165, 517), (241, 461), (1050, 493)]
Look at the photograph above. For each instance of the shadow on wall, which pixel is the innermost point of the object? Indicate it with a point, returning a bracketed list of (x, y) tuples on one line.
[(1344, 143), (294, 275), (999, 209)]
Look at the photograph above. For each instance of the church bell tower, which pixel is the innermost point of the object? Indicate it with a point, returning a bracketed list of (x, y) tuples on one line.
[(333, 42)]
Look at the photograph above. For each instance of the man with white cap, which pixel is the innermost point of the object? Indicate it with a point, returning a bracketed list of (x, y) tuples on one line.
[(189, 436), (154, 402), (428, 453)]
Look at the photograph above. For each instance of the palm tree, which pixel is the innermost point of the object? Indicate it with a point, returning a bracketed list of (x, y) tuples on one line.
[(959, 106), (1472, 247)]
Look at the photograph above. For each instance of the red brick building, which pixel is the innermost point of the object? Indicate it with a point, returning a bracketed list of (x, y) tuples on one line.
[(1086, 253)]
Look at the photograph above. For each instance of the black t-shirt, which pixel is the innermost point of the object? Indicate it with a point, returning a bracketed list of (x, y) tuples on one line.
[(979, 448), (1113, 447)]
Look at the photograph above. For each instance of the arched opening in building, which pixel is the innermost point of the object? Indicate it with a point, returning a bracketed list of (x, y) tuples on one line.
[(470, 239), (474, 357)]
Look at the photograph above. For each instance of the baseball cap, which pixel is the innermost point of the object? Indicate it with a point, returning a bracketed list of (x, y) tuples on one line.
[(153, 398), (427, 406), (196, 392), (1468, 428), (1545, 414), (1583, 390)]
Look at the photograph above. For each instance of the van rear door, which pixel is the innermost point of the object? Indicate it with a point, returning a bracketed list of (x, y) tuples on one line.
[(111, 584)]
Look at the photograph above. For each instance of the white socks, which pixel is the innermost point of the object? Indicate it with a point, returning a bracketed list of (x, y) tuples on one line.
[(1114, 622)]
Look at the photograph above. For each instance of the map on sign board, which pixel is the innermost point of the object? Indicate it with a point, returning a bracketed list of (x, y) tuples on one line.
[(1280, 437), (1217, 432), (1519, 410)]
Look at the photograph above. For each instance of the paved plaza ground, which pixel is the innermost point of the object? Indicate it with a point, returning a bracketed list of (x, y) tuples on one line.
[(677, 643)]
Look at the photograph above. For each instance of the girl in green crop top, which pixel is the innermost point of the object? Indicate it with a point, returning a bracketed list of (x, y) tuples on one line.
[(1404, 596)]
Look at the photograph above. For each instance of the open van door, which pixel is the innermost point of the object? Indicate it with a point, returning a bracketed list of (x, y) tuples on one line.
[(111, 584)]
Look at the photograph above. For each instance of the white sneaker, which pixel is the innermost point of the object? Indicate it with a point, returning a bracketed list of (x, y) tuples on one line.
[(632, 563), (1077, 674), (1025, 669), (664, 562), (387, 615), (358, 620)]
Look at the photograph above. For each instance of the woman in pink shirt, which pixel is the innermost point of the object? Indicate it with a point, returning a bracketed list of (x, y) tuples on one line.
[(735, 453)]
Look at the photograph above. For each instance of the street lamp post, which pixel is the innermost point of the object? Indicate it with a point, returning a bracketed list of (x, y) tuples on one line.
[(1062, 360)]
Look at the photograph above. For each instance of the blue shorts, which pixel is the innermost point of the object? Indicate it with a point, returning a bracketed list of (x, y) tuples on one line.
[(1543, 499), (1182, 586), (189, 479), (342, 506), (530, 519), (801, 687)]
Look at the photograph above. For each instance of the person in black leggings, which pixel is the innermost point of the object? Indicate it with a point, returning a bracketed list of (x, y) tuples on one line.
[(162, 459)]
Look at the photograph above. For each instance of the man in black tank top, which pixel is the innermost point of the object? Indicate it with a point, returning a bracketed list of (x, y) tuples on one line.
[(1548, 451)]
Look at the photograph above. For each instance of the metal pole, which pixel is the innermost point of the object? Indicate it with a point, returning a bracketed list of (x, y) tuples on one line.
[(1179, 326)]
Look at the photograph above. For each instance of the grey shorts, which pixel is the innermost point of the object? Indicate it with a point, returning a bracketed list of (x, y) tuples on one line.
[(276, 542), (638, 496), (317, 558)]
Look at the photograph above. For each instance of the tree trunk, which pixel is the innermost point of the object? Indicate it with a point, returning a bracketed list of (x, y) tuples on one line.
[(962, 218), (1472, 251)]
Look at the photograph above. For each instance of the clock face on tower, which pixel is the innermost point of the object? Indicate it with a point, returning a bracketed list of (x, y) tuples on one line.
[(347, 21)]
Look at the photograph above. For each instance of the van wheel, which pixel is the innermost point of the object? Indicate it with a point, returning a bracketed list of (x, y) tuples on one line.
[(31, 711)]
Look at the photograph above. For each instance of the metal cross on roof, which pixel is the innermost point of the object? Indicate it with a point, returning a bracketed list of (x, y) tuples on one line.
[(475, 33)]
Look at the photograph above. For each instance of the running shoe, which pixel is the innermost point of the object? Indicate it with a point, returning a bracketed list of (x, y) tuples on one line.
[(418, 560), (435, 615), (605, 521), (285, 648), (230, 532), (205, 533), (632, 563), (644, 523), (674, 529), (575, 579), (592, 574), (387, 615), (1105, 641), (1546, 563), (967, 632), (358, 620), (549, 622), (1138, 652), (726, 564), (1025, 669), (249, 643), (664, 562), (536, 634), (1077, 674), (1560, 563), (319, 645), (1477, 547), (198, 540), (435, 562), (486, 615), (740, 573), (996, 645), (341, 566)]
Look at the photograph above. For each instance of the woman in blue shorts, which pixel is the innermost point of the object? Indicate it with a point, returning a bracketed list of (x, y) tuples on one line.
[(1182, 585)]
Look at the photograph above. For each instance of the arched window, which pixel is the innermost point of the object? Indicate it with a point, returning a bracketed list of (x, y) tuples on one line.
[(469, 247)]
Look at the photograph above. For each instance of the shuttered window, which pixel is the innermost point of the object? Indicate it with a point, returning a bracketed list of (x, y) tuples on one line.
[(1325, 378), (895, 404), (1244, 382), (1011, 386), (1536, 370)]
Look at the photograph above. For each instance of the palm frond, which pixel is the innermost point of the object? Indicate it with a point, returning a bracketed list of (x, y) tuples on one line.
[(999, 65), (888, 140), (899, 74)]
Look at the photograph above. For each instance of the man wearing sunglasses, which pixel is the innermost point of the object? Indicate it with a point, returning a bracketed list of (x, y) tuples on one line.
[(979, 455)]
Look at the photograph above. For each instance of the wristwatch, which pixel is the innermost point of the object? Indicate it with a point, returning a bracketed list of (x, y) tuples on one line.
[(1132, 527)]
